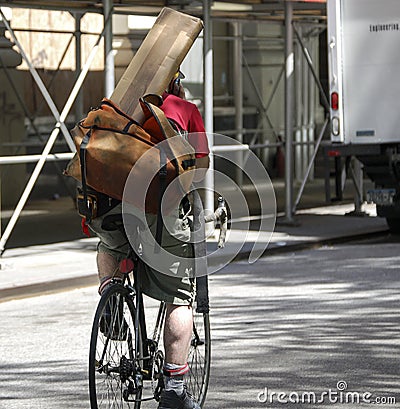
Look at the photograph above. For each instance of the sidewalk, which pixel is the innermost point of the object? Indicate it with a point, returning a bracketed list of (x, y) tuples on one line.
[(45, 268)]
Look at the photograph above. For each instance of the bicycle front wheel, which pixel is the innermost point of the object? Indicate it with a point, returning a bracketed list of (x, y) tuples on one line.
[(199, 357), (114, 364)]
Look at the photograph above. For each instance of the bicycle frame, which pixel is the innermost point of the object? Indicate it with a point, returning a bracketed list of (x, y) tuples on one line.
[(145, 348)]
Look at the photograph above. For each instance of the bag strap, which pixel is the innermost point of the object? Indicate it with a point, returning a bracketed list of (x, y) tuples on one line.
[(162, 173), (82, 157), (168, 132), (200, 254), (163, 123)]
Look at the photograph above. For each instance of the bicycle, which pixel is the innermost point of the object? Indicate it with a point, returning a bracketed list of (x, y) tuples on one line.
[(123, 360)]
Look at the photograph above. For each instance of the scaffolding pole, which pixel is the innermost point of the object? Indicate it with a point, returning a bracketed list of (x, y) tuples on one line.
[(289, 100), (325, 103), (54, 157), (238, 94), (208, 101), (78, 64), (310, 165), (53, 136), (109, 70)]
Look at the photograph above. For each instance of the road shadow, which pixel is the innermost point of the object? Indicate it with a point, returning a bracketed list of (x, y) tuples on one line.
[(61, 383), (303, 322)]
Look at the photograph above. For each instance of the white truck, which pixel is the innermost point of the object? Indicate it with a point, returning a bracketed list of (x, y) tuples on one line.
[(364, 81)]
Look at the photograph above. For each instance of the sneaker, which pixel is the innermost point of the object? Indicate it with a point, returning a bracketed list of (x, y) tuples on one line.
[(171, 400), (113, 316)]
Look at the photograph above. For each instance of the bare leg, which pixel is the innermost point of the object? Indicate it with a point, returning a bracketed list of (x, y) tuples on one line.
[(177, 333), (108, 268)]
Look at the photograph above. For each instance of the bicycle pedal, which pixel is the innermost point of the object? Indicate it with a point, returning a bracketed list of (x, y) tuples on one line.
[(146, 374)]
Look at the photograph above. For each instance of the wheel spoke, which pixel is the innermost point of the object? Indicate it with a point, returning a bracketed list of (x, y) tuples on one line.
[(199, 358)]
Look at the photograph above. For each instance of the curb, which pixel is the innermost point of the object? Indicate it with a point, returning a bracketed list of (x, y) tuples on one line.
[(51, 287), (44, 288)]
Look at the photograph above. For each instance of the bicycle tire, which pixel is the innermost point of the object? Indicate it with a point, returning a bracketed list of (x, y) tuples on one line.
[(112, 355), (199, 359)]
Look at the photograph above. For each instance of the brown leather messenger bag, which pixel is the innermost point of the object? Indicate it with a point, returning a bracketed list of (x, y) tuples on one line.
[(109, 145)]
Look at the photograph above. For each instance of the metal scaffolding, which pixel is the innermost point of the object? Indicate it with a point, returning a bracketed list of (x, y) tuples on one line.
[(59, 126), (269, 11)]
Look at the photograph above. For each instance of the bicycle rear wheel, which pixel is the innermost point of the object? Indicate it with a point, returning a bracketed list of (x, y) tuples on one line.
[(199, 357), (114, 364)]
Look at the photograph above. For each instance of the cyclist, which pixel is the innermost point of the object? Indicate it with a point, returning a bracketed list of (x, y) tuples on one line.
[(177, 292)]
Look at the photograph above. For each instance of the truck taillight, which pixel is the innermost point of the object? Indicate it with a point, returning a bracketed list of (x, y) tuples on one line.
[(335, 101)]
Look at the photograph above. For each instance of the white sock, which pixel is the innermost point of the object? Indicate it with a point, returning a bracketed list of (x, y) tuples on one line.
[(173, 377)]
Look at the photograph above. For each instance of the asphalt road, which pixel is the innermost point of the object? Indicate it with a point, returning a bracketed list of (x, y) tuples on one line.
[(288, 327)]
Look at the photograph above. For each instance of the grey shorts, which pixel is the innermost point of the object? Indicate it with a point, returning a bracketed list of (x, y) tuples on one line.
[(175, 283)]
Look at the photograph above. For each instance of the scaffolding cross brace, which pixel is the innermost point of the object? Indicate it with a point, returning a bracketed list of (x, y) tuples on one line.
[(60, 125)]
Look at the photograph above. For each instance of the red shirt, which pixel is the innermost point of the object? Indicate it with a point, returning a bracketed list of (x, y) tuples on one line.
[(186, 115)]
